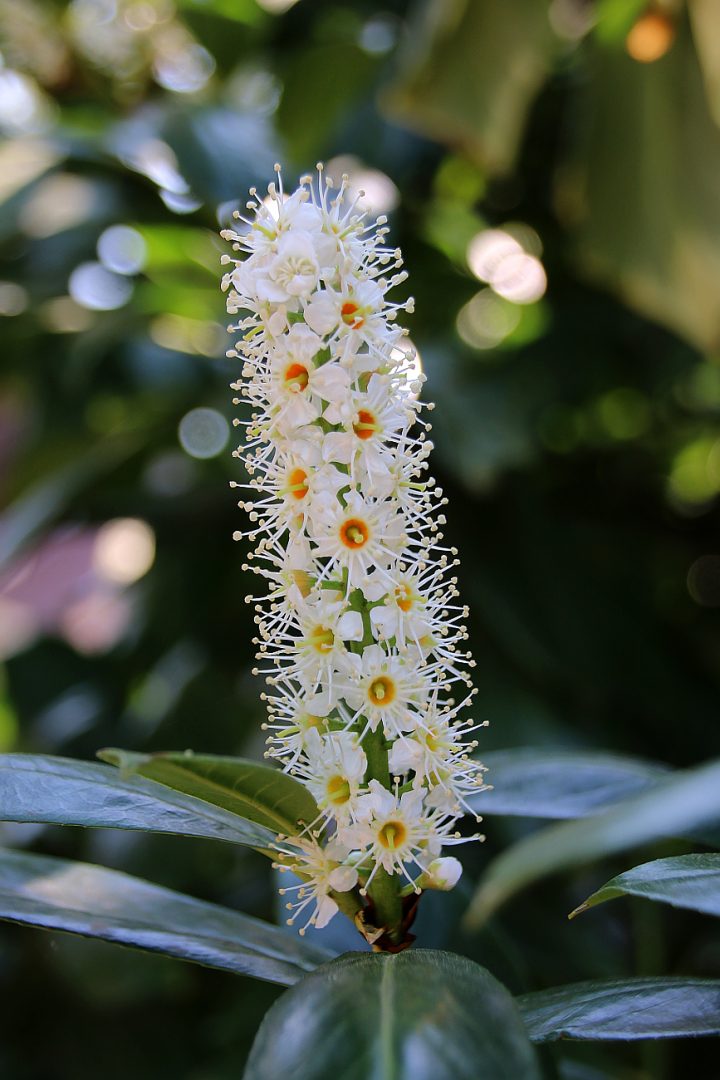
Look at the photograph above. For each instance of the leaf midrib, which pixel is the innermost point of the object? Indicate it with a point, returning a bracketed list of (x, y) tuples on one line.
[(285, 824)]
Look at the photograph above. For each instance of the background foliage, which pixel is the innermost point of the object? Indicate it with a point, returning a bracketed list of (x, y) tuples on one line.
[(577, 435)]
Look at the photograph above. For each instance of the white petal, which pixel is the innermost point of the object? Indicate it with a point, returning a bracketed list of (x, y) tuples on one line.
[(350, 626)]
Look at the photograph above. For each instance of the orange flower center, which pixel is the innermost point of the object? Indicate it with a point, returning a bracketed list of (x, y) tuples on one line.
[(381, 691), (297, 484), (349, 315), (392, 835), (354, 533), (404, 597), (296, 377), (366, 425)]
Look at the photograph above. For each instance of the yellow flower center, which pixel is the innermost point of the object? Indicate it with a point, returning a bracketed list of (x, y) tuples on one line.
[(382, 690), (392, 835), (322, 639), (338, 790)]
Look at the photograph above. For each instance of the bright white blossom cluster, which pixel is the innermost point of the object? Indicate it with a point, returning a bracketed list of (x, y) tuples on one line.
[(361, 638)]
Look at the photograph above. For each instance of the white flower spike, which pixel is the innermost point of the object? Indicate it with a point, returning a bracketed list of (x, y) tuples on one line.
[(360, 638)]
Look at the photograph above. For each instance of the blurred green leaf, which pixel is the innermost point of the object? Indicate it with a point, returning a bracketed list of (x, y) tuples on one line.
[(244, 11), (321, 83), (686, 881), (254, 792), (706, 35), (48, 499), (561, 783), (470, 72), (642, 192), (58, 791), (683, 802), (624, 1009), (614, 18), (415, 1015), (60, 895)]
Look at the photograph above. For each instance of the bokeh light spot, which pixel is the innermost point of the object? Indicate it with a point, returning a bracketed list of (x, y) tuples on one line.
[(13, 298), (93, 286), (203, 433), (124, 550), (122, 249), (703, 581)]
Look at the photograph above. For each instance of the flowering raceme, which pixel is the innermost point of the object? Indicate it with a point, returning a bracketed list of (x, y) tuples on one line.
[(361, 639)]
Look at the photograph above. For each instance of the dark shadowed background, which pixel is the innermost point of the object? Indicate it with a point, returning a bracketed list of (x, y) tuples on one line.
[(552, 173)]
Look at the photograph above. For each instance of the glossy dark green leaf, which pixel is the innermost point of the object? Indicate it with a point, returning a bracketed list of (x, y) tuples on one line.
[(561, 783), (58, 791), (88, 900), (470, 73), (255, 792), (673, 806), (686, 881), (646, 1008), (416, 1015)]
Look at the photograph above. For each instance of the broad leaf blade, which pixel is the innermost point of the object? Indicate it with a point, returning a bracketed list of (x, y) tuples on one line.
[(686, 881), (673, 806), (58, 791), (624, 1009), (252, 791), (60, 895), (561, 783), (416, 1015), (470, 74)]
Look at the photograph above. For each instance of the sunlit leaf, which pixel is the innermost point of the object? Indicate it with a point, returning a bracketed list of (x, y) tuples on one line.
[(561, 783), (58, 791), (470, 74), (416, 1015), (683, 802), (252, 791), (60, 895), (686, 881), (646, 1008)]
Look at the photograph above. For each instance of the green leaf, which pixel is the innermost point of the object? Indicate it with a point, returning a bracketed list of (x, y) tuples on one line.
[(254, 792), (683, 802), (641, 193), (615, 18), (57, 894), (561, 783), (686, 881), (58, 791), (470, 73), (415, 1015), (624, 1009), (706, 35), (47, 499)]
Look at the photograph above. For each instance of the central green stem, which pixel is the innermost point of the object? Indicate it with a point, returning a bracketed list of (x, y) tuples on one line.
[(385, 888)]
